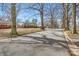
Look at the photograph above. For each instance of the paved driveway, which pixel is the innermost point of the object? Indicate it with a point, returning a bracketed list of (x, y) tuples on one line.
[(46, 43)]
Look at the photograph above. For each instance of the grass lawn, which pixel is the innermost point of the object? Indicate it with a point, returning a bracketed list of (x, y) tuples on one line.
[(73, 36), (20, 31)]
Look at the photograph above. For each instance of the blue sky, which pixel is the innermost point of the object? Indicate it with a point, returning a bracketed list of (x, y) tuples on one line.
[(28, 14)]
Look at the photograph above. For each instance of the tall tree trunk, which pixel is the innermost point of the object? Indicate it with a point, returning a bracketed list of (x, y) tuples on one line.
[(41, 16), (52, 17), (13, 18), (52, 23), (66, 19), (63, 22), (63, 19), (74, 18)]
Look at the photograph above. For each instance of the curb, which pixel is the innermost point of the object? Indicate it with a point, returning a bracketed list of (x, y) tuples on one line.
[(74, 50)]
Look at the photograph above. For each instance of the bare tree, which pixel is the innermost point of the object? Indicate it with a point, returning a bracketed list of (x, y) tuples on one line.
[(66, 20), (40, 8), (74, 18), (41, 15), (52, 16), (63, 16), (13, 18), (65, 8)]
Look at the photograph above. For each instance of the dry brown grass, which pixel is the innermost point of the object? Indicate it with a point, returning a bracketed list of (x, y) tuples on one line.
[(73, 36), (20, 31)]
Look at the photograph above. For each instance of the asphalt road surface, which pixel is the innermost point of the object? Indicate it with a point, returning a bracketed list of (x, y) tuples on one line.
[(46, 43)]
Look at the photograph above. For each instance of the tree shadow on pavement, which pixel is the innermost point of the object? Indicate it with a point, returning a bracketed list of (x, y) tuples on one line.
[(43, 39), (58, 35), (49, 41)]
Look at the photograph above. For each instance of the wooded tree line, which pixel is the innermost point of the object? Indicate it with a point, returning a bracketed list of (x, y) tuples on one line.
[(68, 11), (73, 16)]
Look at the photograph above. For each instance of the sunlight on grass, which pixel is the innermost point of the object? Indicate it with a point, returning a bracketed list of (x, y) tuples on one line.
[(73, 36), (20, 31)]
